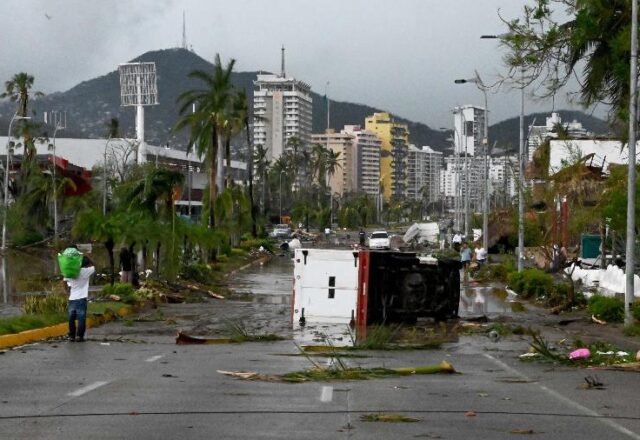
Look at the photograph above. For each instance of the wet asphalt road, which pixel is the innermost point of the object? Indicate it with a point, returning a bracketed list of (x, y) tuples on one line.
[(130, 380)]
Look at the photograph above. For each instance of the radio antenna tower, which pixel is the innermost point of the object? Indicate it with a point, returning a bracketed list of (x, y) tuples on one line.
[(184, 32)]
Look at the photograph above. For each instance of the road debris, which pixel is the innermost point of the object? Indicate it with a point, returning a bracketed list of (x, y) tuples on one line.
[(388, 418), (580, 353), (184, 339), (598, 321), (522, 431), (593, 383), (471, 413)]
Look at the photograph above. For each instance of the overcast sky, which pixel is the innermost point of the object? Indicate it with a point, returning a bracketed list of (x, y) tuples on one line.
[(400, 55)]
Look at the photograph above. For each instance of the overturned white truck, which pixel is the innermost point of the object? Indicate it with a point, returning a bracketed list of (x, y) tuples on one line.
[(367, 287)]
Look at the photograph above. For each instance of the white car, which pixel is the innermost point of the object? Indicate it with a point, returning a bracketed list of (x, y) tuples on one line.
[(281, 231), (379, 240)]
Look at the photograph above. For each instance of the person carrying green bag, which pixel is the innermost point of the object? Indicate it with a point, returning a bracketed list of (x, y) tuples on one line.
[(78, 287)]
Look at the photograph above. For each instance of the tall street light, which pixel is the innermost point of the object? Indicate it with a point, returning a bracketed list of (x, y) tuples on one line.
[(6, 183), (521, 164), (104, 178), (485, 140), (281, 173), (631, 182)]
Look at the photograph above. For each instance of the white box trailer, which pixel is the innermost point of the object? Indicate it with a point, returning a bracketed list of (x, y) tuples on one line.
[(325, 285), (366, 287)]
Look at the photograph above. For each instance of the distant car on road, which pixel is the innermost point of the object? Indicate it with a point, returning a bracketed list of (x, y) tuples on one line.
[(282, 230), (379, 240)]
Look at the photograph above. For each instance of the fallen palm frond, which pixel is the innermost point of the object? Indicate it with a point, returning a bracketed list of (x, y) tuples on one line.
[(184, 339), (324, 374), (239, 332), (387, 418), (318, 373)]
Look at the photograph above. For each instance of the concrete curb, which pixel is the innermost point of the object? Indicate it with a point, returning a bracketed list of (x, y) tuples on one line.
[(58, 330)]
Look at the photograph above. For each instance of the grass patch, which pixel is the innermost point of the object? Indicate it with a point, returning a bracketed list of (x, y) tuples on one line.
[(610, 309), (633, 330), (105, 307), (45, 304), (387, 418), (17, 324), (239, 332), (602, 353)]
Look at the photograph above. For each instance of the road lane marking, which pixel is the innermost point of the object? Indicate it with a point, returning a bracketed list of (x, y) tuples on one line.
[(84, 390), (566, 400), (327, 394), (154, 358)]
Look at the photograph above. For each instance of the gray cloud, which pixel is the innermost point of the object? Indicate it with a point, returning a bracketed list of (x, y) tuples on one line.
[(402, 56)]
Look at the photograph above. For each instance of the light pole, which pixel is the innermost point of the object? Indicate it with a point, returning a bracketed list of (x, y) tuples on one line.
[(281, 173), (631, 182), (521, 159), (485, 140), (58, 125), (104, 179), (6, 183)]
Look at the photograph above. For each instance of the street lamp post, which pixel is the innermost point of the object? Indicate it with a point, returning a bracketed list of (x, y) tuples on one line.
[(104, 179), (58, 126), (281, 173), (485, 206), (6, 183), (521, 160), (631, 178)]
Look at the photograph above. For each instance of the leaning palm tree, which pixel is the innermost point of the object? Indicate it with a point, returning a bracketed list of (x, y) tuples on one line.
[(207, 122), (262, 168)]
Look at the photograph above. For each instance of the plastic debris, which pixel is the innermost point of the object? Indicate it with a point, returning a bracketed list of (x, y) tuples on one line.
[(529, 355), (622, 354), (580, 353)]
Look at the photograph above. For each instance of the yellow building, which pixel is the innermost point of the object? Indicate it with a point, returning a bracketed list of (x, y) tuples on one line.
[(393, 153)]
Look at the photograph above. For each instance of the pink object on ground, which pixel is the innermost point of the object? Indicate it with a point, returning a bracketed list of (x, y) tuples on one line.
[(580, 353)]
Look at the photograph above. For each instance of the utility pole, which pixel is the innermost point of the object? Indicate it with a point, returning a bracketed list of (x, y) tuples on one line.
[(631, 184), (521, 178)]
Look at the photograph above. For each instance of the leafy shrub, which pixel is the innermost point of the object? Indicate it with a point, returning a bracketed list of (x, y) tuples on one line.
[(45, 304), (496, 272), (198, 272), (256, 243), (610, 309), (124, 291), (24, 238), (531, 283)]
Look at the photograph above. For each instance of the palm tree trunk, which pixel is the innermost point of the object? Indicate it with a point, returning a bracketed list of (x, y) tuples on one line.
[(227, 152), (109, 244), (254, 229), (220, 164)]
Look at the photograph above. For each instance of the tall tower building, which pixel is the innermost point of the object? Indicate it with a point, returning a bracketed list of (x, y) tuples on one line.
[(366, 160), (282, 107), (393, 153), (468, 125), (342, 180), (425, 165)]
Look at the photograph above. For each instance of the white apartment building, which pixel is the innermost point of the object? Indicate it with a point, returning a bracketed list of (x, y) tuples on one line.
[(540, 133), (423, 180), (468, 130), (283, 109), (366, 164)]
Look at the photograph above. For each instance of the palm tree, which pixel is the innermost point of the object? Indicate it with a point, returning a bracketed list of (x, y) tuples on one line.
[(18, 88), (159, 185), (207, 123)]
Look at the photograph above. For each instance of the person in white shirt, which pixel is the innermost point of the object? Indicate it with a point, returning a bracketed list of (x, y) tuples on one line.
[(78, 298), (480, 255), (457, 241)]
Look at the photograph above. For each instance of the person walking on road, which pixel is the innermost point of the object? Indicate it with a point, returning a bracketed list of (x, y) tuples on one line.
[(126, 266), (465, 258), (78, 298)]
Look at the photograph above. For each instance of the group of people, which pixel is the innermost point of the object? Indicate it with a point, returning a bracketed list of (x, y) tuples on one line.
[(479, 255)]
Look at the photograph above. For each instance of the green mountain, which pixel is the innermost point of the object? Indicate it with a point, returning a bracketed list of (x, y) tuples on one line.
[(90, 104)]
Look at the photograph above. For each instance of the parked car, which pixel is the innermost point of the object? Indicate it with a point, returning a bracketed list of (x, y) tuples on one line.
[(281, 231), (379, 240)]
